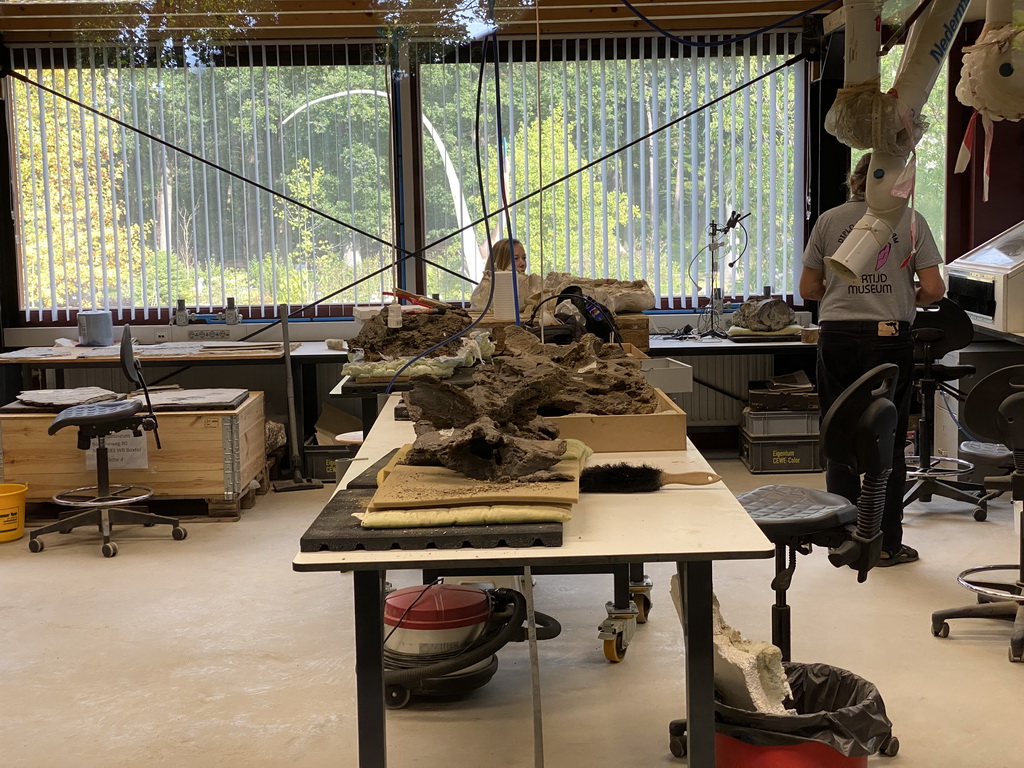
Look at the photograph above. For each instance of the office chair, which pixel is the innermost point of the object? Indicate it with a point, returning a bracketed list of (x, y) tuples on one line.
[(858, 431), (936, 333), (795, 519), (103, 504), (994, 411)]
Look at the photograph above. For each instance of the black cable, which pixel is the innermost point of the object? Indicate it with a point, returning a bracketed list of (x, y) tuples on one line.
[(720, 43), (405, 613), (487, 227), (746, 242)]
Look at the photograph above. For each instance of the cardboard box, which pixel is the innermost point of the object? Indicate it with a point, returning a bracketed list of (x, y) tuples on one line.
[(204, 454), (635, 329), (661, 431)]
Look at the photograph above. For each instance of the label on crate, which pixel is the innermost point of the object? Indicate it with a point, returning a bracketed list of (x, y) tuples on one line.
[(124, 451), (785, 456)]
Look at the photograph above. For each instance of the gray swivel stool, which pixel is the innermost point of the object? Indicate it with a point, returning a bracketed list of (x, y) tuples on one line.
[(103, 504), (936, 333), (858, 431), (994, 411)]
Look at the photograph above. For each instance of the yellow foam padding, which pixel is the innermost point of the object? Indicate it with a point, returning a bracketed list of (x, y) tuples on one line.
[(789, 330), (498, 514)]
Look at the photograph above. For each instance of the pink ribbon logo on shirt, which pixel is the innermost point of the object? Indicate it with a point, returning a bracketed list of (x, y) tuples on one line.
[(883, 256)]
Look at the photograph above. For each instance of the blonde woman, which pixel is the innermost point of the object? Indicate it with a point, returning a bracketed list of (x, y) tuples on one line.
[(504, 253)]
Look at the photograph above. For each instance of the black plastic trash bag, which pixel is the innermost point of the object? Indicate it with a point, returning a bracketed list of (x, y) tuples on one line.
[(834, 707)]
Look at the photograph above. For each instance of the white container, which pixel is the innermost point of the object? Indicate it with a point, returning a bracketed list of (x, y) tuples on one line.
[(503, 304), (95, 328)]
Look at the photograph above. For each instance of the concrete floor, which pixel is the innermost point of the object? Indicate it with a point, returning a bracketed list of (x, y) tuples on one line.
[(213, 652)]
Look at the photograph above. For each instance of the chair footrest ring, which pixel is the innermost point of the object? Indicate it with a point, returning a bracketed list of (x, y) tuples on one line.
[(941, 466), (88, 496), (997, 594)]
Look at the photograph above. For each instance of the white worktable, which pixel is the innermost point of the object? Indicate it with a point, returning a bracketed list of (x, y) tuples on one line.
[(689, 525)]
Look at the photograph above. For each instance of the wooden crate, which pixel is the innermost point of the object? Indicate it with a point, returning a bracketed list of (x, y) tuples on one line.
[(661, 431), (211, 455)]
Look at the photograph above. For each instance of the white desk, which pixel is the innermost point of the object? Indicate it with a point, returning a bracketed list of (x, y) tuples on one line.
[(691, 526)]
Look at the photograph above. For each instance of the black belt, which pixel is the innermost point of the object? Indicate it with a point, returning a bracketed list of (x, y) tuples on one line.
[(861, 326)]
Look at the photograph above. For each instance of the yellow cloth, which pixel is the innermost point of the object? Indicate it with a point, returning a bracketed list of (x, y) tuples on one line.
[(498, 514)]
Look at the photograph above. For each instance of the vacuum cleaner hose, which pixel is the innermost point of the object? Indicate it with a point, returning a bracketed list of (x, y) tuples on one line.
[(474, 655)]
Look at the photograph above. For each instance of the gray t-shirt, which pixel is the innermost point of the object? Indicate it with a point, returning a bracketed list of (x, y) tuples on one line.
[(887, 292)]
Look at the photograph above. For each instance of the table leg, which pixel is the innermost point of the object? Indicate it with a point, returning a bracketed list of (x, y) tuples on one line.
[(698, 638), (369, 412), (368, 593)]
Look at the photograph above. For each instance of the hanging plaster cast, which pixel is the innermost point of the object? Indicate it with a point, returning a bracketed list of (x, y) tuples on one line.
[(992, 80), (888, 123)]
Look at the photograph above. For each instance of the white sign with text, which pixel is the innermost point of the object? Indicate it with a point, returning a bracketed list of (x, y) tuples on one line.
[(124, 451)]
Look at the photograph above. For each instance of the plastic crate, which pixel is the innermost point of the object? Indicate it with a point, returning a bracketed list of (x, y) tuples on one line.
[(760, 423), (323, 462), (759, 398), (775, 455)]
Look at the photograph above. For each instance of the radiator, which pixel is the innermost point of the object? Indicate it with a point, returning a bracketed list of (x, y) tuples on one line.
[(733, 373)]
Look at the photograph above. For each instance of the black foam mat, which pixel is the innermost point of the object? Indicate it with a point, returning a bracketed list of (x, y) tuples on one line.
[(336, 530)]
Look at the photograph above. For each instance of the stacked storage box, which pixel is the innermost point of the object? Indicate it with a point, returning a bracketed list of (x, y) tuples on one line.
[(780, 441)]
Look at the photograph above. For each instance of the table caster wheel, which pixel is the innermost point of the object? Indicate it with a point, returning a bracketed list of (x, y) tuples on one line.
[(643, 607), (148, 525), (890, 747), (179, 533), (64, 531), (677, 746), (677, 738), (940, 630), (615, 649), (981, 514), (109, 549), (396, 696), (1016, 656), (35, 545)]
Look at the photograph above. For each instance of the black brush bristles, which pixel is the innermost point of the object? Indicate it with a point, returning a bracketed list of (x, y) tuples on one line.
[(620, 478)]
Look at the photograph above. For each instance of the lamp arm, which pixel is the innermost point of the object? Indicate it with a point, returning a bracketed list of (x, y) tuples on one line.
[(888, 123)]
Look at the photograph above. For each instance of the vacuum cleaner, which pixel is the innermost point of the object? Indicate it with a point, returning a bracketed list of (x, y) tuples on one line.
[(440, 640)]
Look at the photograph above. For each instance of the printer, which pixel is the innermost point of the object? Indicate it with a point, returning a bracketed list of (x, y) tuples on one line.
[(988, 282)]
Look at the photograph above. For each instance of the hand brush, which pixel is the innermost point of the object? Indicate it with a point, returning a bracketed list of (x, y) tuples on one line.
[(637, 478)]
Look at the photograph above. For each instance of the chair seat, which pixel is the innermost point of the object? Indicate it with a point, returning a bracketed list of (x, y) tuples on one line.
[(783, 511), (943, 373), (113, 414)]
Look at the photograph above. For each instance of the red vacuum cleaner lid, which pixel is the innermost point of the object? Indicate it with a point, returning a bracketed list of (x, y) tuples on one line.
[(443, 606)]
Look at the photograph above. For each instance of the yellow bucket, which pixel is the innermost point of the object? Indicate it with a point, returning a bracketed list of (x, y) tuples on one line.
[(12, 511)]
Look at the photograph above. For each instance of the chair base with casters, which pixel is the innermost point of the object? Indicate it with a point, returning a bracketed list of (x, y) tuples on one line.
[(102, 505), (934, 481), (1003, 423), (995, 601)]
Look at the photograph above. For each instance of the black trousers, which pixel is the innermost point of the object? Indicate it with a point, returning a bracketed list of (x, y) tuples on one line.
[(846, 351)]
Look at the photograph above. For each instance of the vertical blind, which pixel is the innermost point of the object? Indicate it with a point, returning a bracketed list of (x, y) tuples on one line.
[(109, 218), (642, 213)]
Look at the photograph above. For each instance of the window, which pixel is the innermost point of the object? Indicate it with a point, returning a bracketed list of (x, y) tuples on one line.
[(109, 218), (643, 212)]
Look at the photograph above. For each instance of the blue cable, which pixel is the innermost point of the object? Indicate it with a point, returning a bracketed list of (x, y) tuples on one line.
[(949, 410)]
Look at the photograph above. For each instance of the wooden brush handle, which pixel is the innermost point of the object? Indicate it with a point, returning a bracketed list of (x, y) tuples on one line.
[(689, 478)]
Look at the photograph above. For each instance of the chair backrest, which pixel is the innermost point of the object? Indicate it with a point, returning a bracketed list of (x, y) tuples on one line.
[(129, 363), (132, 368), (994, 409), (860, 428), (955, 327)]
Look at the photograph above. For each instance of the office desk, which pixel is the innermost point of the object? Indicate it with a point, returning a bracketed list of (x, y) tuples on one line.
[(660, 347), (306, 355), (692, 527)]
